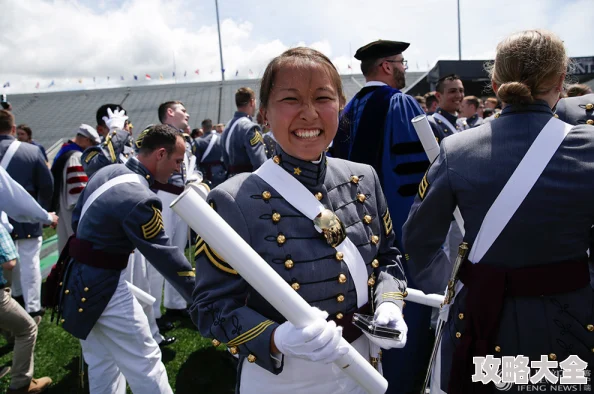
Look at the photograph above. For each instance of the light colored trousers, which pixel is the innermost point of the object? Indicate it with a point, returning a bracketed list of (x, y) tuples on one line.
[(120, 348), (15, 319), (177, 231), (26, 275)]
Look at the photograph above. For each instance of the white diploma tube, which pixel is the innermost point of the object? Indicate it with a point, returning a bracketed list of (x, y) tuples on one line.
[(239, 255), (431, 147)]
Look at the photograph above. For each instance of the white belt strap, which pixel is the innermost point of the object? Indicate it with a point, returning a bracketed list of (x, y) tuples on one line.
[(301, 199), (519, 185), (211, 144), (233, 128), (446, 121), (12, 148), (126, 178)]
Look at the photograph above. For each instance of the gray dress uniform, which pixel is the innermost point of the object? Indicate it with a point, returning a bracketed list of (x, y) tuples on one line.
[(269, 144), (473, 121), (245, 151), (126, 217), (116, 147), (576, 110), (228, 310), (211, 165), (442, 130), (551, 226), (28, 168)]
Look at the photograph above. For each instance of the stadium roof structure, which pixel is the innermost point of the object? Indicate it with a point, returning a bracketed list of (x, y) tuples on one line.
[(55, 116)]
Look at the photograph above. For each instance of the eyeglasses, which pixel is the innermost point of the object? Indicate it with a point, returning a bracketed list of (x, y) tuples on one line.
[(404, 62)]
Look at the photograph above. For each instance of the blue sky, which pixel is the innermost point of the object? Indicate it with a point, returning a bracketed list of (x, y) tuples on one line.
[(72, 40)]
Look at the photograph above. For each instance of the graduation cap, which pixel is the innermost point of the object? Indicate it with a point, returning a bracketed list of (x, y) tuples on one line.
[(379, 49)]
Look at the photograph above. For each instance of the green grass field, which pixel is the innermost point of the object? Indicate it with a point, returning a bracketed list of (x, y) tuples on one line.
[(193, 364)]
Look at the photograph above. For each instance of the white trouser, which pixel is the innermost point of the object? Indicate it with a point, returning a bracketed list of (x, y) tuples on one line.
[(301, 376), (177, 231), (27, 273), (136, 273), (121, 348)]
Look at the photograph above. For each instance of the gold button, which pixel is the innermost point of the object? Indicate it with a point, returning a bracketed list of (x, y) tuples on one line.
[(80, 310), (296, 286), (266, 195), (589, 106), (458, 335), (319, 196), (86, 289), (556, 116), (371, 281), (276, 159), (405, 294), (592, 350), (374, 239), (148, 177), (339, 315), (251, 358), (289, 264), (342, 278), (461, 316), (339, 256), (66, 291), (276, 217), (29, 236), (590, 121), (375, 263), (361, 197), (590, 327), (355, 179), (83, 300), (233, 350), (553, 356), (281, 239), (61, 283), (340, 298), (216, 342), (62, 321), (498, 349), (367, 219)]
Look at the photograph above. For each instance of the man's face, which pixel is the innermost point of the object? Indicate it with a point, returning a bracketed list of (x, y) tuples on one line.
[(398, 70), (490, 105), (178, 116), (168, 163), (452, 96), (22, 135), (467, 109), (480, 109), (219, 128)]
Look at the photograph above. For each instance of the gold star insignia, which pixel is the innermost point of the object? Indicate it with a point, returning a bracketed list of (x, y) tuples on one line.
[(297, 171)]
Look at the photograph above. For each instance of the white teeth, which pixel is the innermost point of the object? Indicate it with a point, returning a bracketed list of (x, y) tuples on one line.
[(307, 133)]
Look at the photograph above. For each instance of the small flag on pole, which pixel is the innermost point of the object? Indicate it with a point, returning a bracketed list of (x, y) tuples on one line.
[(185, 73), (250, 72), (121, 77), (7, 85), (237, 73), (80, 80), (161, 76), (108, 77), (173, 74), (136, 77), (37, 85), (147, 76), (349, 67), (51, 84), (93, 79), (197, 71)]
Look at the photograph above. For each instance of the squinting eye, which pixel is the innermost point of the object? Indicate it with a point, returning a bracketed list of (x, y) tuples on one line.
[(289, 99), (324, 98)]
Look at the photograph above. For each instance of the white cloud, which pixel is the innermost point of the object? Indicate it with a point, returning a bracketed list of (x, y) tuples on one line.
[(42, 40)]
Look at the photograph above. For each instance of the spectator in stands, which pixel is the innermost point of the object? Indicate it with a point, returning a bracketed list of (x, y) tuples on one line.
[(197, 133), (468, 110), (25, 134), (70, 178), (220, 128), (450, 93), (431, 102), (242, 139), (578, 90), (22, 328), (422, 102), (25, 164)]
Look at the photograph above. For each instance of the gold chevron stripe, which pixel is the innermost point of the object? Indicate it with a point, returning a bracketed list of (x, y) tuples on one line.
[(91, 155), (387, 222), (250, 334), (186, 273), (423, 186), (154, 226), (256, 138), (212, 256)]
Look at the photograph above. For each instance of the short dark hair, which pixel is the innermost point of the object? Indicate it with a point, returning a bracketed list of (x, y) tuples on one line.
[(488, 112), (442, 80), (6, 105), (164, 107), (430, 98), (26, 129), (6, 121), (420, 99), (243, 96), (102, 111), (578, 90), (367, 66), (207, 124), (159, 136), (472, 100)]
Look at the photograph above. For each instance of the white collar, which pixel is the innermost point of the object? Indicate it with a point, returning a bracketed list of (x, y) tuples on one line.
[(375, 83)]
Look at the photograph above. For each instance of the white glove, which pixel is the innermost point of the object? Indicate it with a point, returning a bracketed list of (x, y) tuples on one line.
[(115, 120), (389, 314), (318, 341)]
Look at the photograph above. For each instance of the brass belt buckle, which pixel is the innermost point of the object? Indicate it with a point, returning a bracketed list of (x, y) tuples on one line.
[(331, 227)]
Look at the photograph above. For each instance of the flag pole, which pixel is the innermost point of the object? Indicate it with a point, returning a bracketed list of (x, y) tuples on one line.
[(459, 35), (222, 66)]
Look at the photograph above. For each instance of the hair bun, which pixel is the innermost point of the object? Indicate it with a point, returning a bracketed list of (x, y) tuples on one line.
[(515, 93)]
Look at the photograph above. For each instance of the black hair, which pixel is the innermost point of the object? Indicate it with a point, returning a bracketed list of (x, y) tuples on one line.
[(159, 136), (102, 111), (440, 82)]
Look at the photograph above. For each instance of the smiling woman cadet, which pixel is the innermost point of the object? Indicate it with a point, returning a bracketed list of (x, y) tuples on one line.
[(300, 96), (523, 183)]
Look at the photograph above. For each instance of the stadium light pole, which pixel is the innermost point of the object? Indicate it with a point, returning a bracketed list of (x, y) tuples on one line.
[(459, 35), (222, 67)]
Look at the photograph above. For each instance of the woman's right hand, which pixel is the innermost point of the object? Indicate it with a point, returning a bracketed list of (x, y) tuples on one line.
[(319, 341)]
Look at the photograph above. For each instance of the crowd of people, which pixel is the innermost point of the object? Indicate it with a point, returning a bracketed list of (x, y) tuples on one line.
[(357, 216)]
